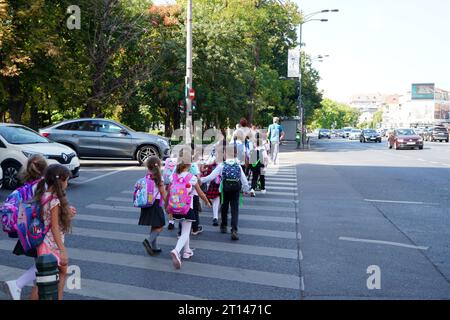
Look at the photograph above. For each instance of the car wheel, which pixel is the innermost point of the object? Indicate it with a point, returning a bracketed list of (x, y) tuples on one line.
[(11, 176), (421, 148), (446, 140), (146, 152)]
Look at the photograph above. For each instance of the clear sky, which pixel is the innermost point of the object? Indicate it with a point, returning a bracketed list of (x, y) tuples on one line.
[(378, 45)]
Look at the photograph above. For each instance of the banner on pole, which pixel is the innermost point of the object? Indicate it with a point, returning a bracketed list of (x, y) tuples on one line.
[(294, 63)]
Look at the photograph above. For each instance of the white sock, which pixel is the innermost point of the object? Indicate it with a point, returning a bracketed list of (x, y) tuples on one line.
[(215, 205), (184, 238), (27, 278)]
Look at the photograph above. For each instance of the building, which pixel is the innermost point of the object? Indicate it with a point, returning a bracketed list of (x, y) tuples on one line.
[(423, 106), (367, 104)]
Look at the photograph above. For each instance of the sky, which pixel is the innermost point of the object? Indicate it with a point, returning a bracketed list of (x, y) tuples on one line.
[(377, 45)]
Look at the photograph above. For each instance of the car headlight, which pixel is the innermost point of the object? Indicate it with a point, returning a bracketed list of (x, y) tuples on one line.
[(164, 142), (29, 154), (420, 140), (400, 140)]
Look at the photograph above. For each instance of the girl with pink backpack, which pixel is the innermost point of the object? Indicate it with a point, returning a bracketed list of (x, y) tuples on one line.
[(180, 204)]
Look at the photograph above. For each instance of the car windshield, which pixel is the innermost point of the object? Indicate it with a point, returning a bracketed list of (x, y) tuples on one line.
[(370, 131), (405, 132), (440, 129), (356, 131), (21, 135), (325, 130)]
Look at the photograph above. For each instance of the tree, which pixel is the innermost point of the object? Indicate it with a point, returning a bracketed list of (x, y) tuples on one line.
[(334, 115)]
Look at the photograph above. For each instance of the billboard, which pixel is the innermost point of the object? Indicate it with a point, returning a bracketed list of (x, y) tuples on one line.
[(421, 91), (442, 111), (294, 63)]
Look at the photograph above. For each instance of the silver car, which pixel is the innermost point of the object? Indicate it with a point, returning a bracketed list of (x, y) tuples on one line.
[(107, 139)]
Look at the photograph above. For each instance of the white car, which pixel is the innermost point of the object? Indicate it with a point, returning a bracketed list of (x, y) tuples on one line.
[(18, 143), (1, 177), (354, 134)]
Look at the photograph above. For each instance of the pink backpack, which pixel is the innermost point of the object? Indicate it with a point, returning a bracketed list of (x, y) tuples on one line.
[(179, 198)]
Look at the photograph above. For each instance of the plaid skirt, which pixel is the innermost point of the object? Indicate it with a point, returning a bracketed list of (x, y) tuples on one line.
[(213, 191)]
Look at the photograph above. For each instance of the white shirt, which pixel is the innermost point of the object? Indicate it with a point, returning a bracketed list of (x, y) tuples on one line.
[(218, 171)]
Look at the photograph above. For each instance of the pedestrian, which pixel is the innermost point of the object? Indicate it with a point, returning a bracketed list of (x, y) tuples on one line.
[(233, 180), (169, 167), (276, 134), (153, 216), (213, 192), (195, 170), (258, 159), (33, 173), (180, 203), (57, 215)]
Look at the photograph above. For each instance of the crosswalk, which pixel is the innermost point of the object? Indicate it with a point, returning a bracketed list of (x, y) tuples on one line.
[(106, 243)]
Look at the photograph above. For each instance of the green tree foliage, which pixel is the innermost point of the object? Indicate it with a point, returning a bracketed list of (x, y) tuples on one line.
[(334, 115), (128, 62)]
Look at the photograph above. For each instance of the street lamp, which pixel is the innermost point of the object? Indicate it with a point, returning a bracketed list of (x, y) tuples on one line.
[(306, 18)]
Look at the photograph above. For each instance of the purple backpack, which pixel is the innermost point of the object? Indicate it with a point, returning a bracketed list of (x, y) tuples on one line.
[(30, 227), (179, 198), (9, 210), (144, 196)]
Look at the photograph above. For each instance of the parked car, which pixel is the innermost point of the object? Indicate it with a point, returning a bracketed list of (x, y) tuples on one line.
[(107, 139), (340, 133), (347, 131), (405, 138), (354, 134), (436, 134), (324, 133), (369, 135), (18, 143)]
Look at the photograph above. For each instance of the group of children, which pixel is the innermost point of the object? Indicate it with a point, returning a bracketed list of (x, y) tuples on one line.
[(47, 185), (219, 181)]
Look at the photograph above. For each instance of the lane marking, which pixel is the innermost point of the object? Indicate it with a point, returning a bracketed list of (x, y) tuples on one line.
[(107, 290), (250, 217), (246, 231), (199, 244), (402, 202), (204, 270), (397, 244), (104, 175)]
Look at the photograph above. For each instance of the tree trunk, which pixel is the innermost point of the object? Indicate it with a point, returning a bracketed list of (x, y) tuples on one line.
[(34, 117), (16, 105)]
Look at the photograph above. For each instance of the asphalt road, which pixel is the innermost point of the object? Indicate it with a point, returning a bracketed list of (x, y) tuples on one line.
[(329, 214)]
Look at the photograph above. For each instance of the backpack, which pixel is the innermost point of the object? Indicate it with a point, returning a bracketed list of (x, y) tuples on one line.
[(169, 166), (231, 177), (179, 198), (10, 208), (30, 228), (143, 196)]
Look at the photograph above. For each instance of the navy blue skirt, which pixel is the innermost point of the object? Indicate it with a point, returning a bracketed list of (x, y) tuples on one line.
[(152, 216)]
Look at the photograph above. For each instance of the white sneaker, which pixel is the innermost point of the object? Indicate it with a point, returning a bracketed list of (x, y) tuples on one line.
[(252, 193), (13, 290), (188, 254), (263, 191), (176, 259)]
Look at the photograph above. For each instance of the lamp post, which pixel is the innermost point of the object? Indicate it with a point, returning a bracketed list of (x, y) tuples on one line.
[(301, 107), (188, 79)]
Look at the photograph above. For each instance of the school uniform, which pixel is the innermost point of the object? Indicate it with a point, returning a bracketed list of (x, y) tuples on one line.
[(154, 215)]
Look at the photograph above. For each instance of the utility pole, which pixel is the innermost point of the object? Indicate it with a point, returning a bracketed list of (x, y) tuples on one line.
[(300, 100), (188, 79)]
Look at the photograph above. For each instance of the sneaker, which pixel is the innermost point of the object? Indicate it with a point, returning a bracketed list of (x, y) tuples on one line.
[(171, 226), (148, 248), (263, 191), (12, 290), (175, 259), (234, 235), (198, 231), (223, 229), (215, 223), (252, 193), (188, 254)]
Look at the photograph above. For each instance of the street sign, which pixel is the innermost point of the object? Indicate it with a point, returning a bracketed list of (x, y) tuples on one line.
[(192, 94)]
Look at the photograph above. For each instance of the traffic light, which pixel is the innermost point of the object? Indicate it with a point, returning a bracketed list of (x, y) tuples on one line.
[(194, 105), (181, 107)]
